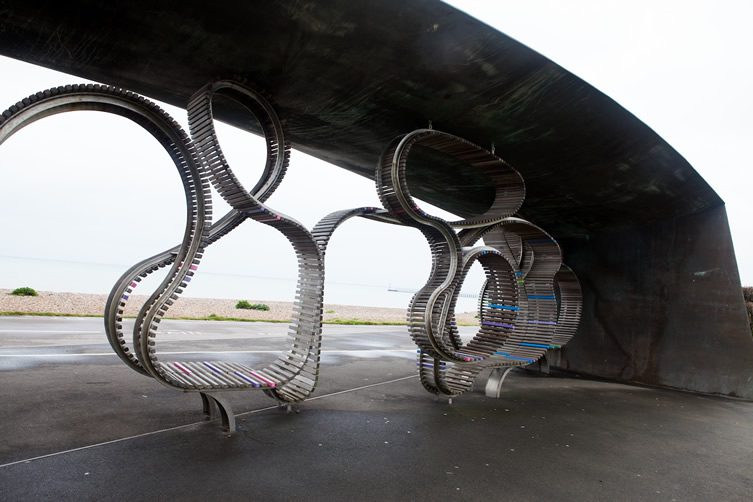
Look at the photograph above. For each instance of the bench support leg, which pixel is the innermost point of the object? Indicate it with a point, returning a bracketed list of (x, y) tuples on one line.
[(494, 383), (217, 407)]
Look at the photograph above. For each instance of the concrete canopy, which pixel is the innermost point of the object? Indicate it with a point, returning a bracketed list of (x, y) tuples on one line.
[(644, 232)]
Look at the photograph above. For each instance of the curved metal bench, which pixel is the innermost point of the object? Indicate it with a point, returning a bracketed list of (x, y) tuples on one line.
[(529, 305)]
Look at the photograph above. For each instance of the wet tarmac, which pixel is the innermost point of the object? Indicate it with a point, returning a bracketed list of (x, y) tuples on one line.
[(76, 424)]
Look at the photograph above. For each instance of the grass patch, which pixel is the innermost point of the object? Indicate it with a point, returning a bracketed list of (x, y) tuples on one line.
[(48, 314), (25, 291), (210, 317), (244, 304), (215, 317), (361, 322), (353, 322)]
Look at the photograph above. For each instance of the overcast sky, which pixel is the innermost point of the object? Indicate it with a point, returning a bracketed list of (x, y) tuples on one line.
[(682, 67), (85, 187)]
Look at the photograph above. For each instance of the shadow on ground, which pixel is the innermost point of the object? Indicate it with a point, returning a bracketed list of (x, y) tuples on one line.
[(547, 438)]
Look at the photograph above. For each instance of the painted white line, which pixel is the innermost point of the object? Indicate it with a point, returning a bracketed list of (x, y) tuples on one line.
[(178, 427), (356, 388), (101, 354), (47, 346), (78, 332), (32, 356)]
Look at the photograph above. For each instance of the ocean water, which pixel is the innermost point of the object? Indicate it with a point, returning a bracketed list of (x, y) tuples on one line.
[(112, 197)]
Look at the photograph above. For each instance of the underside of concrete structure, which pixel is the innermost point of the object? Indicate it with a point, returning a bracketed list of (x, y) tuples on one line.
[(645, 234)]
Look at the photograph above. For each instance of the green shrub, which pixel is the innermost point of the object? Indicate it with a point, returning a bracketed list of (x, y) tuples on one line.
[(244, 304), (24, 292)]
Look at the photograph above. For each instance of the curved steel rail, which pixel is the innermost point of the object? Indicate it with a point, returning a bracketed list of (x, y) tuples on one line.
[(530, 303), (429, 309), (177, 144), (278, 157), (519, 314), (293, 375), (545, 316), (289, 377)]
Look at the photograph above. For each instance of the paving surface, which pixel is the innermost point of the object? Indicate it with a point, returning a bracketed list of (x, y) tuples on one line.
[(76, 424)]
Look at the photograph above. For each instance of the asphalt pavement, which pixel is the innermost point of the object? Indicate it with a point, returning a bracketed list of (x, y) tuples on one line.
[(77, 424)]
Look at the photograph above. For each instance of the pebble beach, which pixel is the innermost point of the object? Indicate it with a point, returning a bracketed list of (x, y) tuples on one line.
[(84, 304)]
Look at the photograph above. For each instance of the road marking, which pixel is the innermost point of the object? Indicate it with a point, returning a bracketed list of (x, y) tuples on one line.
[(101, 354), (178, 427), (77, 332)]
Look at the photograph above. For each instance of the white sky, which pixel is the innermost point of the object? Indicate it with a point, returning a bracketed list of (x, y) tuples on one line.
[(85, 187), (682, 67)]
